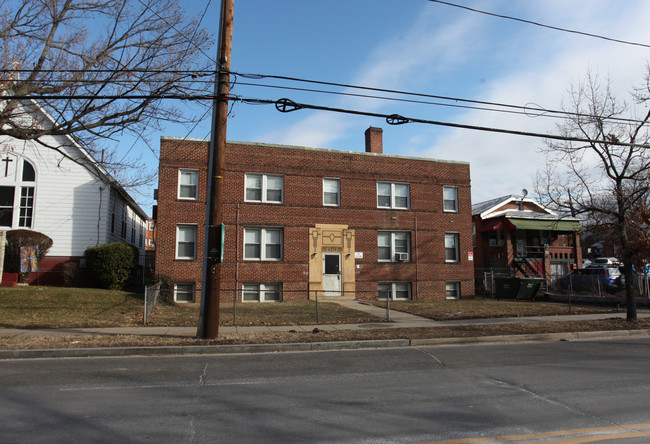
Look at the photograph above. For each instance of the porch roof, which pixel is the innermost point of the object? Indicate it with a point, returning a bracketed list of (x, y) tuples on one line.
[(546, 224), (518, 221)]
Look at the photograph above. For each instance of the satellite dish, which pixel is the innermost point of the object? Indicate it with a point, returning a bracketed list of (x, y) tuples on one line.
[(524, 192)]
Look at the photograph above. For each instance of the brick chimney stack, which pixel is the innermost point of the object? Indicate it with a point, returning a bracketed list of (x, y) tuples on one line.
[(374, 142)]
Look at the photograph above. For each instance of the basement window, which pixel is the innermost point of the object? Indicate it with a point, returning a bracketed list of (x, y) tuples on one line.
[(184, 292), (261, 292), (394, 291)]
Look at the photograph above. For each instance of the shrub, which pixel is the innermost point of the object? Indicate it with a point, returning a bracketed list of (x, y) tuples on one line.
[(16, 239), (112, 265)]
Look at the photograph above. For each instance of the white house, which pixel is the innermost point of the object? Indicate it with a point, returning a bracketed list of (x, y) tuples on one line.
[(65, 194)]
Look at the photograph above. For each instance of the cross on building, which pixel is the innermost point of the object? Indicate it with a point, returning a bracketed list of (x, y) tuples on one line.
[(6, 160)]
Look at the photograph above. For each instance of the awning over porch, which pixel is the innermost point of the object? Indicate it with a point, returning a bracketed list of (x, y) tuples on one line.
[(547, 225)]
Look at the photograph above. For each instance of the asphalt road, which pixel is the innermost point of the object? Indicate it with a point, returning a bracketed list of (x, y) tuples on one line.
[(411, 394)]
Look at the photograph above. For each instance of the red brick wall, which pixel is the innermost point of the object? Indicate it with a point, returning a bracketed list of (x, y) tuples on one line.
[(303, 171)]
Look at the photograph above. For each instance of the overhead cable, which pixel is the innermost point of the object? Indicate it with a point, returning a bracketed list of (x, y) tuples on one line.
[(287, 105), (529, 110), (530, 22)]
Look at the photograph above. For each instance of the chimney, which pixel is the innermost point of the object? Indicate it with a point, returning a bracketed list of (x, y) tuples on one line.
[(374, 140)]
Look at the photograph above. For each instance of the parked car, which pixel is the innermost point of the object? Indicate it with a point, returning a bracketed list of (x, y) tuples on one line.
[(589, 280), (605, 261)]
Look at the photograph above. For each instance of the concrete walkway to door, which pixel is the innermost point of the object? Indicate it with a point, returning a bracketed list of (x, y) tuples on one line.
[(396, 317)]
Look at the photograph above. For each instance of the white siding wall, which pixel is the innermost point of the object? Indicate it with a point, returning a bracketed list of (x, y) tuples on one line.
[(72, 206)]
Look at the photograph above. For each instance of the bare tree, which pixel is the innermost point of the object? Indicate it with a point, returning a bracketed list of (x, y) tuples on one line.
[(606, 179), (98, 68)]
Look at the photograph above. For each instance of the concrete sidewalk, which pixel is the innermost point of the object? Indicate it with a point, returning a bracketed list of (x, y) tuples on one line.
[(396, 320)]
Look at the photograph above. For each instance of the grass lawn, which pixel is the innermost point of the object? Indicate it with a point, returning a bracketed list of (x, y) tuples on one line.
[(486, 308), (62, 307), (53, 307)]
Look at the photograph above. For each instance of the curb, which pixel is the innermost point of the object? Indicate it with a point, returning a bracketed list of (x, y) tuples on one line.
[(199, 349), (310, 346), (538, 337)]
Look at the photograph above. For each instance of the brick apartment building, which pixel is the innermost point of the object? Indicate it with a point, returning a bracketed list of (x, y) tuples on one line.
[(306, 221)]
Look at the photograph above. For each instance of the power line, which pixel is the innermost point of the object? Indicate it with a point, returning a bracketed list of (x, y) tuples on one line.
[(200, 97), (109, 97), (524, 109), (287, 105), (395, 99), (529, 110), (530, 22)]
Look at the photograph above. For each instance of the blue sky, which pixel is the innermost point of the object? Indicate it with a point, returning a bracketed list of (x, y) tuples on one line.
[(425, 47)]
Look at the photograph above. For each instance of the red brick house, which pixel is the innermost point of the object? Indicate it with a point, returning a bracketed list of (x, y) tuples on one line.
[(302, 222), (518, 236), (150, 246)]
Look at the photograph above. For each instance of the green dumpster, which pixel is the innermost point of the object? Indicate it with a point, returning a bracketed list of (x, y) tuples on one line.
[(506, 288), (528, 288)]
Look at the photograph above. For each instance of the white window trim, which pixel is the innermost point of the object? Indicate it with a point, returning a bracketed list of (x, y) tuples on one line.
[(18, 186), (455, 210), (338, 191), (393, 291), (457, 241), (178, 226), (456, 285), (193, 290), (196, 187), (393, 206), (264, 188), (393, 252), (261, 291), (263, 231)]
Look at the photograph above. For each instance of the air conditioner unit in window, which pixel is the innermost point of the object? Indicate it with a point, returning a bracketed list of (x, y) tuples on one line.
[(401, 257)]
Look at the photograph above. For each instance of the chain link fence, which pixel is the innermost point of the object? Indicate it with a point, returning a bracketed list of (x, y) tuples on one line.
[(237, 305), (595, 282)]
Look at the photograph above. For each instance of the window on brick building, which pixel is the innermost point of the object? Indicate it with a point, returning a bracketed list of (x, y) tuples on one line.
[(394, 290), (496, 238), (450, 199), (185, 241), (184, 292), (452, 290), (264, 188), (188, 184), (393, 246), (331, 192), (452, 252), (261, 292), (393, 195), (263, 244)]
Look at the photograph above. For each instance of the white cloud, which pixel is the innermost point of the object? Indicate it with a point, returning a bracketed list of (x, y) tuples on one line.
[(489, 59), (502, 164)]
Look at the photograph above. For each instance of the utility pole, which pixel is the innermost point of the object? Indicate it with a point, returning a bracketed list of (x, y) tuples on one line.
[(211, 285)]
